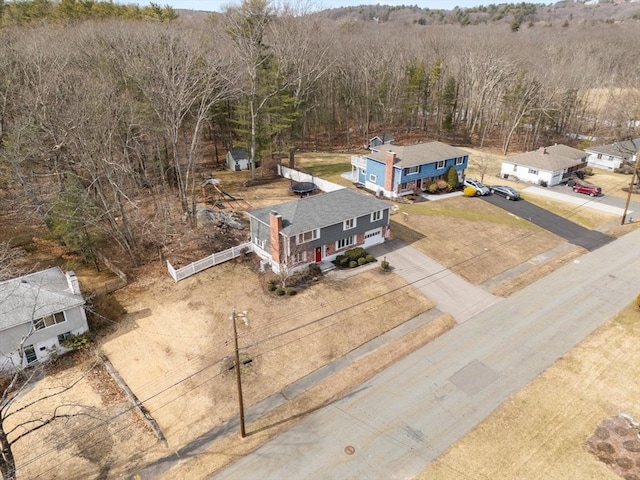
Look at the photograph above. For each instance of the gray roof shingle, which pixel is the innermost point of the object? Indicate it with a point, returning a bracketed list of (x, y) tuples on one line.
[(34, 296), (557, 157), (624, 150), (419, 154), (318, 211)]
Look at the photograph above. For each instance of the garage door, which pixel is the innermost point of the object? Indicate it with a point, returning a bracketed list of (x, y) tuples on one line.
[(373, 237)]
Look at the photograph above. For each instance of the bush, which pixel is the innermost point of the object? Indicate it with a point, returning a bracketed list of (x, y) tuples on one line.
[(355, 253), (432, 187), (469, 192), (280, 291), (291, 291), (452, 178), (442, 185), (271, 286), (370, 258), (362, 261), (75, 342), (353, 264), (384, 265), (344, 261), (314, 270)]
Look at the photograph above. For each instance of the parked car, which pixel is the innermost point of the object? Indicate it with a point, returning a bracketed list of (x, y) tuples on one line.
[(506, 192), (588, 189), (481, 189)]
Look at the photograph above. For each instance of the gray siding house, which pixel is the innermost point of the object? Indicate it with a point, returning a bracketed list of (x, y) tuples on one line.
[(612, 156), (41, 310), (238, 159), (318, 228)]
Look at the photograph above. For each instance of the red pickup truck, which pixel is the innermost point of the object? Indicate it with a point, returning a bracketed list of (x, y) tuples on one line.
[(588, 189)]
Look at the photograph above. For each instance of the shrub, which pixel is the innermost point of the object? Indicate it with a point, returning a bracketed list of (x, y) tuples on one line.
[(442, 185), (362, 261), (384, 265), (355, 253), (432, 187), (75, 342), (280, 291), (291, 291), (271, 286), (353, 264), (370, 258), (469, 192), (314, 270), (452, 177), (344, 261)]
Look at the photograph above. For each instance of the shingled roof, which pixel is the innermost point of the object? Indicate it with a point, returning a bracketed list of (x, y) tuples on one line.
[(624, 150), (418, 154), (318, 211), (556, 157), (35, 296)]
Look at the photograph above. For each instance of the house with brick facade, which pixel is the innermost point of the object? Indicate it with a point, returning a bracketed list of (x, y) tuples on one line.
[(316, 229), (393, 171)]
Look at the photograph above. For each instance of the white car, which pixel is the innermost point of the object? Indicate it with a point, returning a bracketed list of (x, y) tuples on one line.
[(481, 188)]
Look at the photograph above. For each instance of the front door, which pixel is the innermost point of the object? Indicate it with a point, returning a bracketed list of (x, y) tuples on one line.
[(318, 254), (419, 184)]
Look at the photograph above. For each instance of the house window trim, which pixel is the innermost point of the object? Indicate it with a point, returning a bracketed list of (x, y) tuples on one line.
[(412, 170), (41, 323), (533, 171), (376, 216), (440, 164), (300, 237), (259, 242), (373, 178), (459, 161), (345, 242), (30, 355), (349, 224)]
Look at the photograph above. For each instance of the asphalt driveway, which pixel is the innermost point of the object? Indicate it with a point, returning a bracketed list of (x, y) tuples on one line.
[(571, 232)]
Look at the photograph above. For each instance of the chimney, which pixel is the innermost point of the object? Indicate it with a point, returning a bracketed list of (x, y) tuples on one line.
[(542, 150), (72, 280), (388, 170), (275, 225)]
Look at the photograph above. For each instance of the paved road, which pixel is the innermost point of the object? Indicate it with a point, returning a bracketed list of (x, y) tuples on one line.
[(405, 417), (572, 232)]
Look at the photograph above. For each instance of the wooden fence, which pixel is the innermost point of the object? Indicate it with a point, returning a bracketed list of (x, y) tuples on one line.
[(181, 273)]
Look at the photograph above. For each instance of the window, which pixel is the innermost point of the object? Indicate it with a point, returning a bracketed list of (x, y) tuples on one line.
[(599, 156), (372, 178), (611, 158), (349, 224), (307, 236), (410, 170), (49, 320), (533, 171), (344, 243), (63, 336), (298, 257), (440, 164), (30, 354), (375, 216), (259, 242), (459, 160)]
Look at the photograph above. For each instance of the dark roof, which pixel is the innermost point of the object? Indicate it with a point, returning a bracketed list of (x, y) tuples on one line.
[(624, 150), (554, 158), (239, 154), (320, 211), (34, 296), (419, 154), (384, 138)]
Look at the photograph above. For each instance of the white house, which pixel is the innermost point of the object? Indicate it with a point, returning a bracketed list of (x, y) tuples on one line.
[(41, 310), (612, 156), (546, 166), (238, 159)]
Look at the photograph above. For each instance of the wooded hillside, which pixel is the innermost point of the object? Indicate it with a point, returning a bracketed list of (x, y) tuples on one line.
[(101, 114)]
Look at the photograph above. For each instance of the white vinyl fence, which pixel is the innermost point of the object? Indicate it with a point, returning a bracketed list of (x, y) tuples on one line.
[(210, 261), (298, 176)]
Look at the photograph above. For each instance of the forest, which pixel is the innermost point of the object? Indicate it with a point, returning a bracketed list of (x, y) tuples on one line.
[(107, 107)]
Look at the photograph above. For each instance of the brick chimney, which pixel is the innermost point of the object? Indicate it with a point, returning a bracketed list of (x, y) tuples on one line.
[(275, 225), (388, 170), (72, 281)]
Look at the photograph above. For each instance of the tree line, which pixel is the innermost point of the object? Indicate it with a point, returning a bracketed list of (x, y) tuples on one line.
[(104, 117)]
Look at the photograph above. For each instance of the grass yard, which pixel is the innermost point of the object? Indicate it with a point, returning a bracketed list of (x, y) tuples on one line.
[(328, 166), (541, 431), (473, 238)]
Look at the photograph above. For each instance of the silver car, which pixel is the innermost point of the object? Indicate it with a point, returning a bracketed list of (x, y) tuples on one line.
[(481, 188)]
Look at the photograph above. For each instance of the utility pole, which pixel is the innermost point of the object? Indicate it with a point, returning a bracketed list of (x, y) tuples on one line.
[(238, 379), (631, 183)]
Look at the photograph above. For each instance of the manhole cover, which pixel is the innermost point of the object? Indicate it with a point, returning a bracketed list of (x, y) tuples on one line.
[(349, 450)]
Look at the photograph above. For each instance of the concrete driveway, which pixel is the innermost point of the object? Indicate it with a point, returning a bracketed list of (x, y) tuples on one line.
[(450, 292)]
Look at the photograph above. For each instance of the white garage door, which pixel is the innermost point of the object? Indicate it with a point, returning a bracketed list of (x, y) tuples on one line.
[(373, 237)]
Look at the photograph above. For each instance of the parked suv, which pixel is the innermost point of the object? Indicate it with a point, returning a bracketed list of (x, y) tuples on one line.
[(587, 189), (481, 189)]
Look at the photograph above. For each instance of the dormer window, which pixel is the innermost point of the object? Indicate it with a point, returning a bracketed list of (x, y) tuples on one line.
[(349, 224)]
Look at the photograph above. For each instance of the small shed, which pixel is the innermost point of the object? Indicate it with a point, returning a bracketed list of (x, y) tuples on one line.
[(238, 159)]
